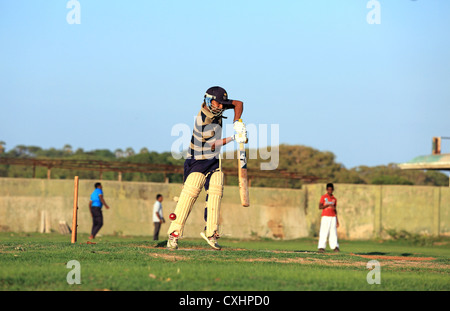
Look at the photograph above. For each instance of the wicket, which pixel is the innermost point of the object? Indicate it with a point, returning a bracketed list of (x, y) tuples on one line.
[(75, 211)]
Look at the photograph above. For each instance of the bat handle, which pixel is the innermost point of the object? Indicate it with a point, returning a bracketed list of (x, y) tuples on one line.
[(246, 141)]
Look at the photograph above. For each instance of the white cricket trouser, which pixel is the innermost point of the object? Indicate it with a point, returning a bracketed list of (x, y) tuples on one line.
[(328, 228)]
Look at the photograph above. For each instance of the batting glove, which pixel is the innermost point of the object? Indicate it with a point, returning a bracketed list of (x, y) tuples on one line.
[(239, 127), (240, 138)]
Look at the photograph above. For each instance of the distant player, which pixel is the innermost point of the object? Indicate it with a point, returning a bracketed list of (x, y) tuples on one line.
[(202, 166), (158, 217), (95, 206), (329, 222)]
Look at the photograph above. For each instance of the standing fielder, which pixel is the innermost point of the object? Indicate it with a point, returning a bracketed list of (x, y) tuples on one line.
[(329, 222), (95, 206), (202, 167)]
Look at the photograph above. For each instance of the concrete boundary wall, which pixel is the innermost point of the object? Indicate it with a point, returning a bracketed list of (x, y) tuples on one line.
[(26, 205)]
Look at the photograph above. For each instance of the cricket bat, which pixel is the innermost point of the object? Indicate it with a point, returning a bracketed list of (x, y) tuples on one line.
[(242, 172)]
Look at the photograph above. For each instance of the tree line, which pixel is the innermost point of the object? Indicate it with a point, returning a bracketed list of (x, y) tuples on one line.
[(298, 159)]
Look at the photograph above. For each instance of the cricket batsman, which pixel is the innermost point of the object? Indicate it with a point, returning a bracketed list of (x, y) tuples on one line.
[(202, 167)]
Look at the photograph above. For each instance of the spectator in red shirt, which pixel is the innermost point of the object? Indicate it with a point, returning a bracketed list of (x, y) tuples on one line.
[(329, 222)]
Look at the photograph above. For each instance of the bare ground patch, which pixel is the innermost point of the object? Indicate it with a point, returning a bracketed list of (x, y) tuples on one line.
[(396, 258), (168, 257), (389, 261), (308, 261)]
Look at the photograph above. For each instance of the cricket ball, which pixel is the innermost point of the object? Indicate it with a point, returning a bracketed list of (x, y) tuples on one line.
[(172, 216)]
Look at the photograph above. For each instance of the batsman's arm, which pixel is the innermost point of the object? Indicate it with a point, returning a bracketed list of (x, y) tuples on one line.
[(238, 109), (221, 142)]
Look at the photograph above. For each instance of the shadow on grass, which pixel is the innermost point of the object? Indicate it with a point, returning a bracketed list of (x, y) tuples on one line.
[(161, 244), (372, 253), (383, 254)]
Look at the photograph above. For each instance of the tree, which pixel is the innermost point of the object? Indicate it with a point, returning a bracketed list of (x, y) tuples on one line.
[(103, 154), (21, 150), (67, 149), (2, 146), (79, 151), (144, 150), (119, 153), (391, 180), (129, 152), (301, 160), (34, 151)]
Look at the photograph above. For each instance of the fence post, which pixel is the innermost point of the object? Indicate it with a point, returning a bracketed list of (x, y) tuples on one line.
[(75, 211), (378, 226), (436, 211)]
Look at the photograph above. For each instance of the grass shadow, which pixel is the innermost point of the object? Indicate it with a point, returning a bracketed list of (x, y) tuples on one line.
[(161, 244), (383, 254)]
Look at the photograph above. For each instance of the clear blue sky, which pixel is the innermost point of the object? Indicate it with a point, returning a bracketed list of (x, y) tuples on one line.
[(371, 94)]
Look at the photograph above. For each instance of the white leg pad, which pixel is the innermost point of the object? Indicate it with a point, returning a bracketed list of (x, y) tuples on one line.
[(215, 193), (191, 190)]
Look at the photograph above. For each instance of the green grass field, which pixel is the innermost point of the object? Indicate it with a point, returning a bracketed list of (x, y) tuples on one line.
[(38, 262)]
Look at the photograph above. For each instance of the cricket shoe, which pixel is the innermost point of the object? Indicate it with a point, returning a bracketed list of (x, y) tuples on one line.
[(172, 242), (212, 241)]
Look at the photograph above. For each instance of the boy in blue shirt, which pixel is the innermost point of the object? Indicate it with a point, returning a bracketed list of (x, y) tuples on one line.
[(95, 206)]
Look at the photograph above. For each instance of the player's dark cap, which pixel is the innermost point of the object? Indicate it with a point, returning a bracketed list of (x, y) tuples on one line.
[(219, 94)]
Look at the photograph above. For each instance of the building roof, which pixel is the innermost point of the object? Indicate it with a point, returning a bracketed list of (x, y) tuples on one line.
[(428, 162)]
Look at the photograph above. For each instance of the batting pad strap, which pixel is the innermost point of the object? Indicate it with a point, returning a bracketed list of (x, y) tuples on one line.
[(215, 190), (215, 193), (191, 190)]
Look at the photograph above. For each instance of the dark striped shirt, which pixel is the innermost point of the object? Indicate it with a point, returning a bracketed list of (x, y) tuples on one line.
[(207, 130)]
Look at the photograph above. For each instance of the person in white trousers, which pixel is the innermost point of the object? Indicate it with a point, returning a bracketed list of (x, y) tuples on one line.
[(329, 222)]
